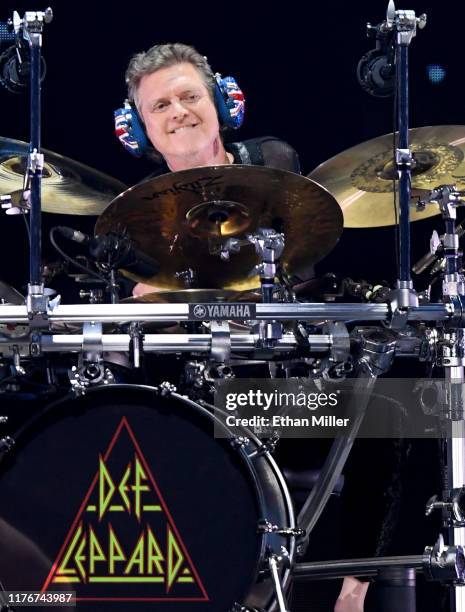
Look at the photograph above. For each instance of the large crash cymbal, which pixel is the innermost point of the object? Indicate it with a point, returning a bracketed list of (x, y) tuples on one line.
[(175, 218), (360, 178), (68, 187)]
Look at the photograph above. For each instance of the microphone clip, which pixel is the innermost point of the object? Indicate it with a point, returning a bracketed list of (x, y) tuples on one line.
[(15, 61)]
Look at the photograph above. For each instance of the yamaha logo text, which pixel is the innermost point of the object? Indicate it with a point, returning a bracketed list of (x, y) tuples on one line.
[(222, 311)]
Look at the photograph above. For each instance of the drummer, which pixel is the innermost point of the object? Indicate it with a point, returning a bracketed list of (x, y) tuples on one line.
[(173, 88)]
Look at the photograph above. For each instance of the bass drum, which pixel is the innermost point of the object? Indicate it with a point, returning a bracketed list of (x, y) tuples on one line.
[(126, 498)]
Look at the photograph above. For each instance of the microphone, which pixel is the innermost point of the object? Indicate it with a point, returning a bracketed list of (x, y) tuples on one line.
[(118, 249), (376, 69), (72, 234), (15, 61)]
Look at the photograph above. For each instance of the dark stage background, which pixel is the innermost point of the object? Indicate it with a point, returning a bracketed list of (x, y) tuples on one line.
[(296, 63)]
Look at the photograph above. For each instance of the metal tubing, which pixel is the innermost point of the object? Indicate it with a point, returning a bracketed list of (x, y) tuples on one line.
[(456, 478), (124, 313), (36, 172), (162, 343), (404, 170), (337, 457), (451, 254), (332, 570)]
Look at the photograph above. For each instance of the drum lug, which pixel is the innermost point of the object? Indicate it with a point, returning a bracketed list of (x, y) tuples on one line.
[(90, 370), (265, 526), (166, 388), (89, 375), (6, 445), (267, 447), (239, 442)]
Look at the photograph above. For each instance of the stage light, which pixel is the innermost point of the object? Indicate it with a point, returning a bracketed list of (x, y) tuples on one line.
[(436, 73)]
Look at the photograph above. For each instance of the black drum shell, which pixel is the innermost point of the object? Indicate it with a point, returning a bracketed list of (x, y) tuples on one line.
[(75, 428)]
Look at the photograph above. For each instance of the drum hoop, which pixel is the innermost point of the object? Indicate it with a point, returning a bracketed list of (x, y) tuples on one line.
[(253, 465)]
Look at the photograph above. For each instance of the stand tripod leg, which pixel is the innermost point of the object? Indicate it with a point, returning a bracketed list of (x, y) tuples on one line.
[(273, 564), (455, 457)]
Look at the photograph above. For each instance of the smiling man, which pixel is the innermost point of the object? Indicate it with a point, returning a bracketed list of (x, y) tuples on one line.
[(180, 117), (175, 93)]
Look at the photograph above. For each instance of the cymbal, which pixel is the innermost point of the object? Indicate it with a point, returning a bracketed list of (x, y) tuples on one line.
[(9, 295), (176, 218), (360, 178), (68, 187), (186, 296)]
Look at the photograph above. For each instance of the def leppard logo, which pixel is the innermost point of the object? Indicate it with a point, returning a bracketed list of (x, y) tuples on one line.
[(123, 543)]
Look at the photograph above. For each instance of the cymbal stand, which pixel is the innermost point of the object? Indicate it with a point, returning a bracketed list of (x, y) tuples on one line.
[(30, 28), (269, 246), (374, 73), (451, 356), (404, 23)]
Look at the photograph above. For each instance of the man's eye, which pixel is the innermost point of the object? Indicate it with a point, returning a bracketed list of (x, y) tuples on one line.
[(192, 97), (160, 106)]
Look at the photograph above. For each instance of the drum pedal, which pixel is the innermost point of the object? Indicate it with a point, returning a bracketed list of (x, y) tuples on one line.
[(237, 607)]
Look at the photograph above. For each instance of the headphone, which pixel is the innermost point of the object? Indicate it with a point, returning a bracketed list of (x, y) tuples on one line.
[(229, 102)]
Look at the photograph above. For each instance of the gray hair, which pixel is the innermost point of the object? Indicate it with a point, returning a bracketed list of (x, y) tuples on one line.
[(164, 56)]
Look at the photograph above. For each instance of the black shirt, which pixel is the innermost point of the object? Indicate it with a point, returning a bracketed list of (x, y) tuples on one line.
[(266, 151)]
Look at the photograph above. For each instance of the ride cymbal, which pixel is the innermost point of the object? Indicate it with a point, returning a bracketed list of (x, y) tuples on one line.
[(361, 178), (68, 187), (180, 218)]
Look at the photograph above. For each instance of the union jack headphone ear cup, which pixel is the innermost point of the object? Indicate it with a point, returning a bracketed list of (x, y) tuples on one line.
[(230, 102), (130, 131)]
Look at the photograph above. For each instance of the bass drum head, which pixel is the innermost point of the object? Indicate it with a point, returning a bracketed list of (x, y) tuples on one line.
[(126, 498)]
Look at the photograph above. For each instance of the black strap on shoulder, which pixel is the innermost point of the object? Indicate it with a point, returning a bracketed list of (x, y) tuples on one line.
[(242, 153), (249, 152), (255, 152)]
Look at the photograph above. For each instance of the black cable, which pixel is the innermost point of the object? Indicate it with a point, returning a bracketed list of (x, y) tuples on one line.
[(23, 215), (70, 259)]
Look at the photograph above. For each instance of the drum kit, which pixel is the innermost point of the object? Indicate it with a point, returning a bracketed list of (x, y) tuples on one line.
[(117, 490)]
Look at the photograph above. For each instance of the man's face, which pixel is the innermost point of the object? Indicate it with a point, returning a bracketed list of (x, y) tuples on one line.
[(179, 114)]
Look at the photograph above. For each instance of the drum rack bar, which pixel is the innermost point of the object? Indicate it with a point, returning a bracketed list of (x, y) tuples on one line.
[(125, 313), (332, 570), (165, 343)]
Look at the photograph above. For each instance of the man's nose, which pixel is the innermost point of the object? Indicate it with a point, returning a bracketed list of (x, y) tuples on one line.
[(178, 110)]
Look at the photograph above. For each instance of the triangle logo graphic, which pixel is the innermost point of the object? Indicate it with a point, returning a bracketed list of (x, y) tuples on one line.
[(123, 544)]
